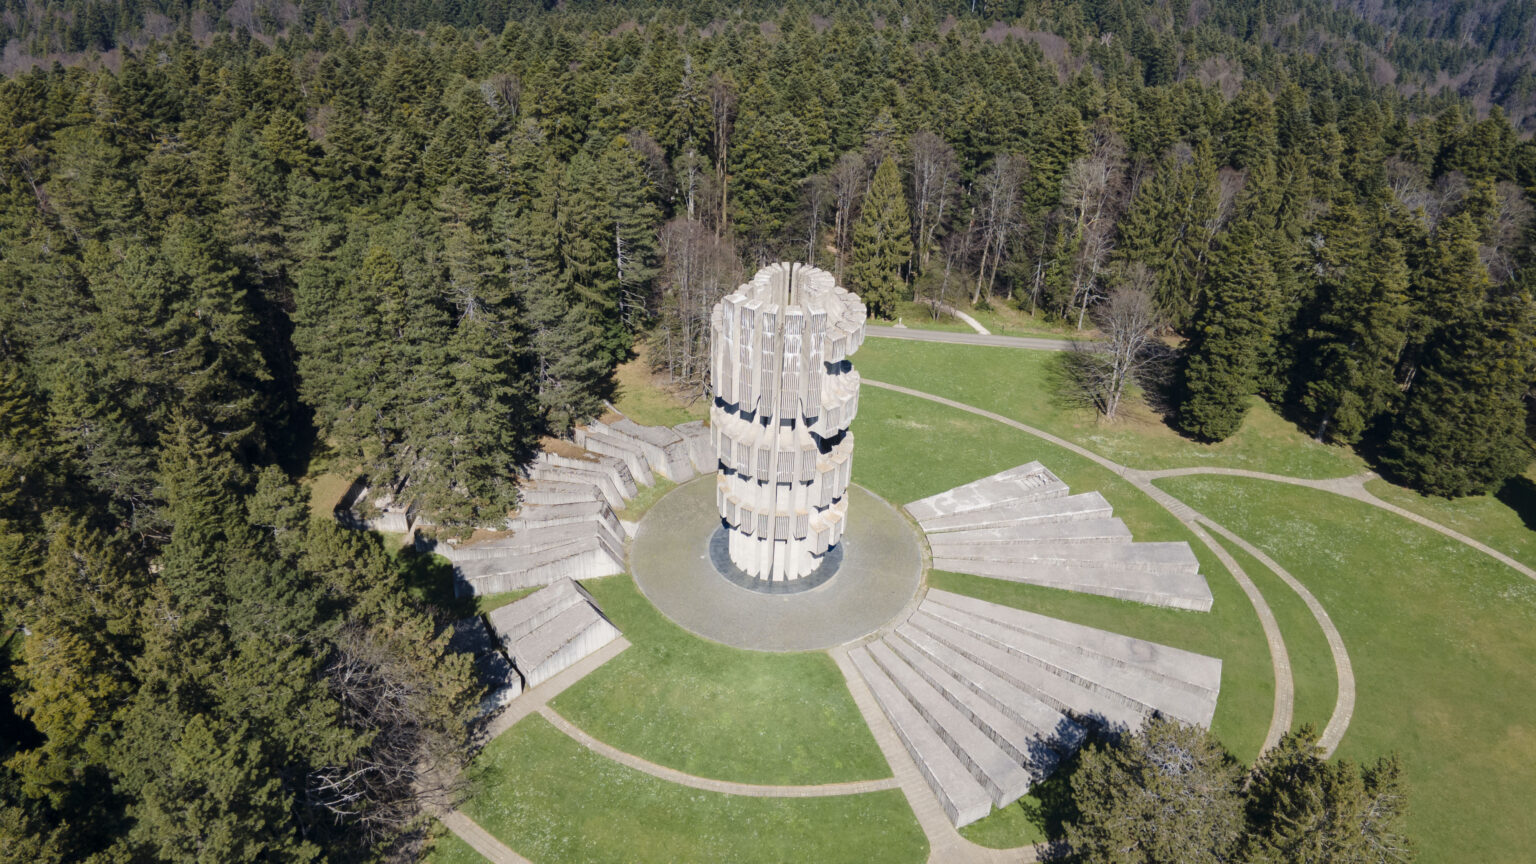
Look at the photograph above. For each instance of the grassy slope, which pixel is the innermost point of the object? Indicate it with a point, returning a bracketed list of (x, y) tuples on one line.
[(552, 800), (1441, 638), (892, 428), (447, 848), (1023, 385), (1000, 320), (1500, 519), (719, 712), (642, 399)]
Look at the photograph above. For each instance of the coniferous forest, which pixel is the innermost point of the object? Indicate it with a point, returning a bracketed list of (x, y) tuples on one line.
[(415, 237)]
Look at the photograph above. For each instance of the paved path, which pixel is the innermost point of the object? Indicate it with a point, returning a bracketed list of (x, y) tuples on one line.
[(989, 340), (945, 845), (692, 781), (1279, 658), (478, 838)]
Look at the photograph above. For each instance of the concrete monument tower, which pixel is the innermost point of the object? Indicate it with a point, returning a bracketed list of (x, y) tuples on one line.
[(785, 393)]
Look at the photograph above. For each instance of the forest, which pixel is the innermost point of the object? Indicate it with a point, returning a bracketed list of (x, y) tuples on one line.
[(411, 239)]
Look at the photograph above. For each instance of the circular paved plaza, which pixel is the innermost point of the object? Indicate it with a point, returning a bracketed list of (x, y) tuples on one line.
[(878, 576)]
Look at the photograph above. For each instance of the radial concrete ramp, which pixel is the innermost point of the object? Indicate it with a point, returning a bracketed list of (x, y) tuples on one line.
[(1024, 525), (566, 526), (988, 699), (550, 629)]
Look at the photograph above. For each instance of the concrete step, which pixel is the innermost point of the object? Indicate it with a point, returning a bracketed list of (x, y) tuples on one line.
[(962, 798), (588, 559), (595, 512), (599, 439), (998, 772), (1036, 749), (615, 468), (701, 451), (545, 492), (665, 450), (598, 479), (560, 642), (1028, 482), (1064, 694), (1150, 557), (1196, 673), (1109, 530), (515, 621), (1131, 686), (1043, 721), (1173, 590), (534, 539), (1088, 505)]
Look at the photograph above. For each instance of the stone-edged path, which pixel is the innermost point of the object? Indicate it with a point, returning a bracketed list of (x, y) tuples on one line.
[(693, 781), (989, 340), (1279, 658), (945, 845)]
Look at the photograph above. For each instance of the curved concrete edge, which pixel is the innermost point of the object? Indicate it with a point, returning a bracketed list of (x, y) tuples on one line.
[(1344, 704), (707, 784)]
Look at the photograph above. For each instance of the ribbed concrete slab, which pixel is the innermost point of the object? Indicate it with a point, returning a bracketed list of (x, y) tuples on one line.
[(615, 468), (619, 447), (1174, 590), (995, 769), (1152, 557), (961, 797), (1028, 482), (1088, 505), (879, 575), (1073, 531), (665, 450), (1187, 669), (701, 451)]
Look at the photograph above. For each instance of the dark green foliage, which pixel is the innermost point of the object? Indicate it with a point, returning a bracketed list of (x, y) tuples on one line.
[(1229, 333), (1463, 429), (882, 243), (1166, 794)]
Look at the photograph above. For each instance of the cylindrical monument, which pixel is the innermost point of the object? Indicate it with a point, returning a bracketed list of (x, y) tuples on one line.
[(785, 393)]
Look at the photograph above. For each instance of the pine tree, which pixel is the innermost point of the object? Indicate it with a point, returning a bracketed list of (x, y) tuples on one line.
[(1229, 334), (882, 243), (1166, 794)]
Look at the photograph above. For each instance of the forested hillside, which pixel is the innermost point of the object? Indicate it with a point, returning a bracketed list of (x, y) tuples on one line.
[(411, 248)]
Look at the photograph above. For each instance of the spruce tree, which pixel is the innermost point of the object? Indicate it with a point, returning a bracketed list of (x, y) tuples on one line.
[(1231, 328), (1462, 431), (1359, 331), (882, 243)]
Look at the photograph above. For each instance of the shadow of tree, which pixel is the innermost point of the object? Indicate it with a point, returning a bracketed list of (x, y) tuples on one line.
[(1519, 495)]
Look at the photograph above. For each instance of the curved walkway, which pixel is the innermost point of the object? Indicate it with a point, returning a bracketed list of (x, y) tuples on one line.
[(693, 781), (1279, 658)]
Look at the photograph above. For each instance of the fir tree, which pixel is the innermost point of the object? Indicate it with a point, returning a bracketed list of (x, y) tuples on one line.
[(1228, 336), (882, 243)]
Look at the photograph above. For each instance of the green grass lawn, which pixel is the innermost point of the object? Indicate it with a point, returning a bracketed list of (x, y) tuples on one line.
[(447, 848), (553, 800), (1024, 385), (635, 507), (716, 711), (643, 399), (1493, 519), (1001, 320), (1442, 639), (891, 427)]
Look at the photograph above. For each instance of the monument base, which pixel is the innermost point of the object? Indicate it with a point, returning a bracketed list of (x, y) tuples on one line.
[(720, 556)]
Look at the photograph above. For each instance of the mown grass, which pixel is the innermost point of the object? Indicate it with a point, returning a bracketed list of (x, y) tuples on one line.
[(644, 498), (1001, 320), (447, 848), (553, 800), (1441, 639), (1504, 520), (1026, 385), (719, 712), (642, 397)]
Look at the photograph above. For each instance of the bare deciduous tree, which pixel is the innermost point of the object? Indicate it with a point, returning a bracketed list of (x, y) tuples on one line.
[(816, 194), (850, 177), (997, 216), (722, 106), (1093, 193), (697, 270), (934, 182), (1129, 351)]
